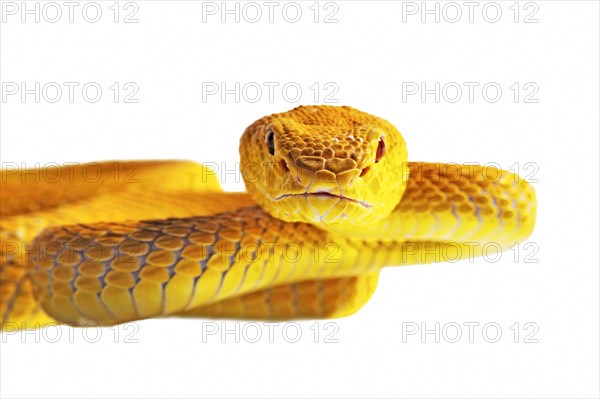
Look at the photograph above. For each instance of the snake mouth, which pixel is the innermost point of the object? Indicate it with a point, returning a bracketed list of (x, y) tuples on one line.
[(324, 194)]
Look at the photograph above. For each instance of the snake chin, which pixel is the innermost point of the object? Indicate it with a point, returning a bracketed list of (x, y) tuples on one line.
[(321, 207)]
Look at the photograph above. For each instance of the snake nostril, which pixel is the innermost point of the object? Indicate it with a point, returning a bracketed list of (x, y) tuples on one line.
[(365, 171)]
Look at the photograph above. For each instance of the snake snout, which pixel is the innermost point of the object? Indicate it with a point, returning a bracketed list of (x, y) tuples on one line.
[(320, 175)]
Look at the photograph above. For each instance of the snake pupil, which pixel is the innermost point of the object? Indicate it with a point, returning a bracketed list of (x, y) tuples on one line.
[(380, 150), (270, 141)]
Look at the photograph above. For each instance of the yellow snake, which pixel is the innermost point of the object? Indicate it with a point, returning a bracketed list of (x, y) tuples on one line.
[(331, 200)]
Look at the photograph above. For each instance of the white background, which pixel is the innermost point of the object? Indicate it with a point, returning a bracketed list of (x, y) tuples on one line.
[(368, 55)]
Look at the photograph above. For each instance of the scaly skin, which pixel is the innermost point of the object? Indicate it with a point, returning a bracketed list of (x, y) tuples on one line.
[(328, 218)]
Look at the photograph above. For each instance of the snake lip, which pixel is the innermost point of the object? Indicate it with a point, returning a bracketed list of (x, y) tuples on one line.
[(324, 194)]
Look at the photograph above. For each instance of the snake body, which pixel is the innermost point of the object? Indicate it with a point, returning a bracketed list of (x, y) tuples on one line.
[(331, 200)]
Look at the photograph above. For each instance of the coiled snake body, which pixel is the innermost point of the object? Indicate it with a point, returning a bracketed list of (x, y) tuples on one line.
[(331, 200)]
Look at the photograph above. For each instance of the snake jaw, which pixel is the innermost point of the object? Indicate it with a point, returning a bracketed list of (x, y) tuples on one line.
[(324, 194), (322, 207)]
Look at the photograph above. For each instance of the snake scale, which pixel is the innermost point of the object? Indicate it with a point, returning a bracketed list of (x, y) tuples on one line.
[(331, 199)]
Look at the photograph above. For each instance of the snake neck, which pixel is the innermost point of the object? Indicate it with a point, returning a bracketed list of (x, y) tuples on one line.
[(379, 230)]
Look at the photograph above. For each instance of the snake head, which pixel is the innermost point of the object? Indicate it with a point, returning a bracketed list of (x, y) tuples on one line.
[(325, 165)]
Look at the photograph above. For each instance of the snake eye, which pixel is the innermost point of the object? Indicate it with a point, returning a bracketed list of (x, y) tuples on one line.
[(270, 141), (380, 149)]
